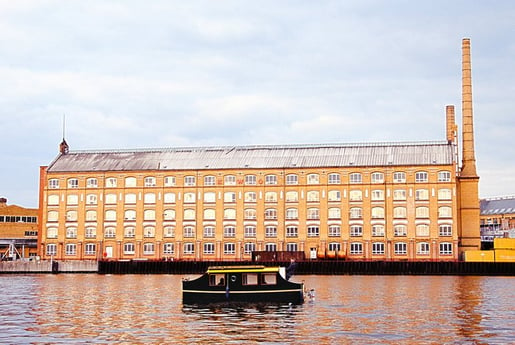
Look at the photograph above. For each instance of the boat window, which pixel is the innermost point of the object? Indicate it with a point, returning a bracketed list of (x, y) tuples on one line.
[(250, 279), (268, 279), (216, 279)]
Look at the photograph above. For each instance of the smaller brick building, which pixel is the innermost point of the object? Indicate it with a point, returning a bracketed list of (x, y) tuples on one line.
[(18, 231)]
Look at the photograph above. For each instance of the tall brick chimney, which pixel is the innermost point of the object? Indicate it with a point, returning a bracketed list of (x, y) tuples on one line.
[(468, 167)]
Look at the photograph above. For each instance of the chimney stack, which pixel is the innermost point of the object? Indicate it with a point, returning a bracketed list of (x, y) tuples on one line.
[(468, 168), (450, 124)]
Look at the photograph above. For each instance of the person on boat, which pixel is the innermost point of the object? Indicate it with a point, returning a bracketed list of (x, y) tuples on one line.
[(290, 270), (221, 282)]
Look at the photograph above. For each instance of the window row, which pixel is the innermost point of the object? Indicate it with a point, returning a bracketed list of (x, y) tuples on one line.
[(232, 180), (401, 248)]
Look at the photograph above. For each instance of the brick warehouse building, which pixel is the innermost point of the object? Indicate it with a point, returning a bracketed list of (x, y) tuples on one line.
[(373, 201)]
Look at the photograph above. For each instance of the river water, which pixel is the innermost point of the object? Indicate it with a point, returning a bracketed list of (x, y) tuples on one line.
[(147, 309)]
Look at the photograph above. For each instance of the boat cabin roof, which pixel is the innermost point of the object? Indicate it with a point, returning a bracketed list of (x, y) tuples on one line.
[(242, 269)]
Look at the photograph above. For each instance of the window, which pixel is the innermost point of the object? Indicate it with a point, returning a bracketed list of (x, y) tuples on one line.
[(334, 247), (189, 248), (189, 214), (169, 198), (313, 231), (209, 248), (128, 248), (355, 195), (313, 213), (229, 248), (230, 180), (111, 182), (422, 212), (188, 231), (250, 197), (130, 182), (110, 232), (189, 198), (91, 199), (71, 216), (51, 249), (71, 249), (209, 197), (334, 231), (169, 181), (270, 179), (169, 231), (444, 212), (270, 197), (334, 195), (378, 248), (230, 197), (73, 183), (377, 230), (334, 213), (53, 200), (292, 179), (129, 232), (130, 198), (90, 249), (270, 213), (209, 180), (249, 247), (51, 233), (189, 180), (355, 213), (149, 231), (149, 198), (313, 179), (400, 230), (334, 178), (168, 248), (292, 231), (400, 248), (421, 176), (169, 214), (313, 196), (377, 195), (149, 215), (270, 247), (250, 231), (72, 199), (250, 213), (356, 230), (229, 213), (399, 194), (91, 216), (150, 181), (355, 178), (399, 212), (110, 199), (148, 248), (209, 231), (53, 216), (356, 248), (250, 179), (422, 230), (445, 230), (377, 177), (378, 212), (91, 183), (292, 196), (209, 214), (399, 177), (445, 248), (444, 176), (270, 231), (292, 213), (91, 232), (229, 231), (444, 194), (423, 248), (53, 183), (291, 247), (422, 194)]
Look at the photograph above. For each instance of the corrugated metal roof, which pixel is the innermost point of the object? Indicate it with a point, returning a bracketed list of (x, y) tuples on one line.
[(257, 157), (497, 206)]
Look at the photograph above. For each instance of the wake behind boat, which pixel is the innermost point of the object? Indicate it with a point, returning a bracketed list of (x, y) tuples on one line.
[(254, 284)]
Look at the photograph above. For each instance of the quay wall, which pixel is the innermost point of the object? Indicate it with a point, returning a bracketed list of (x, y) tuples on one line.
[(48, 266)]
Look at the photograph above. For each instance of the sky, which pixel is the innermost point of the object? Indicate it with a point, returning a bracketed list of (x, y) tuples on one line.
[(172, 73)]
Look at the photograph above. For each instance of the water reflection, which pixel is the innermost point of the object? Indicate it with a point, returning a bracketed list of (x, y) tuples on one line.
[(138, 309)]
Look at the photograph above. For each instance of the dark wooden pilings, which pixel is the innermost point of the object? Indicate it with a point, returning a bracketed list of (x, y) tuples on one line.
[(319, 267)]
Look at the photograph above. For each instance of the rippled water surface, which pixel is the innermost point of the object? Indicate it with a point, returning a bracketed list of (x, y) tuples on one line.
[(147, 309)]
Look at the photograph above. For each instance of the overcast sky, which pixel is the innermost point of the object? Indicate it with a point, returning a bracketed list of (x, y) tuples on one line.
[(147, 74)]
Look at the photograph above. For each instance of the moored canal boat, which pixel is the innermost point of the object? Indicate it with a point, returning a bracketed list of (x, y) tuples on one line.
[(236, 284)]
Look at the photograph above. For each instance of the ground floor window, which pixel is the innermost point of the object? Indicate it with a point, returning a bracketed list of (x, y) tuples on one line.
[(378, 248), (51, 249), (250, 247), (148, 249), (128, 248), (229, 248), (90, 249), (209, 248), (189, 248), (291, 247), (356, 248), (334, 247), (71, 249), (168, 248), (270, 247), (401, 248), (445, 248), (423, 248)]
